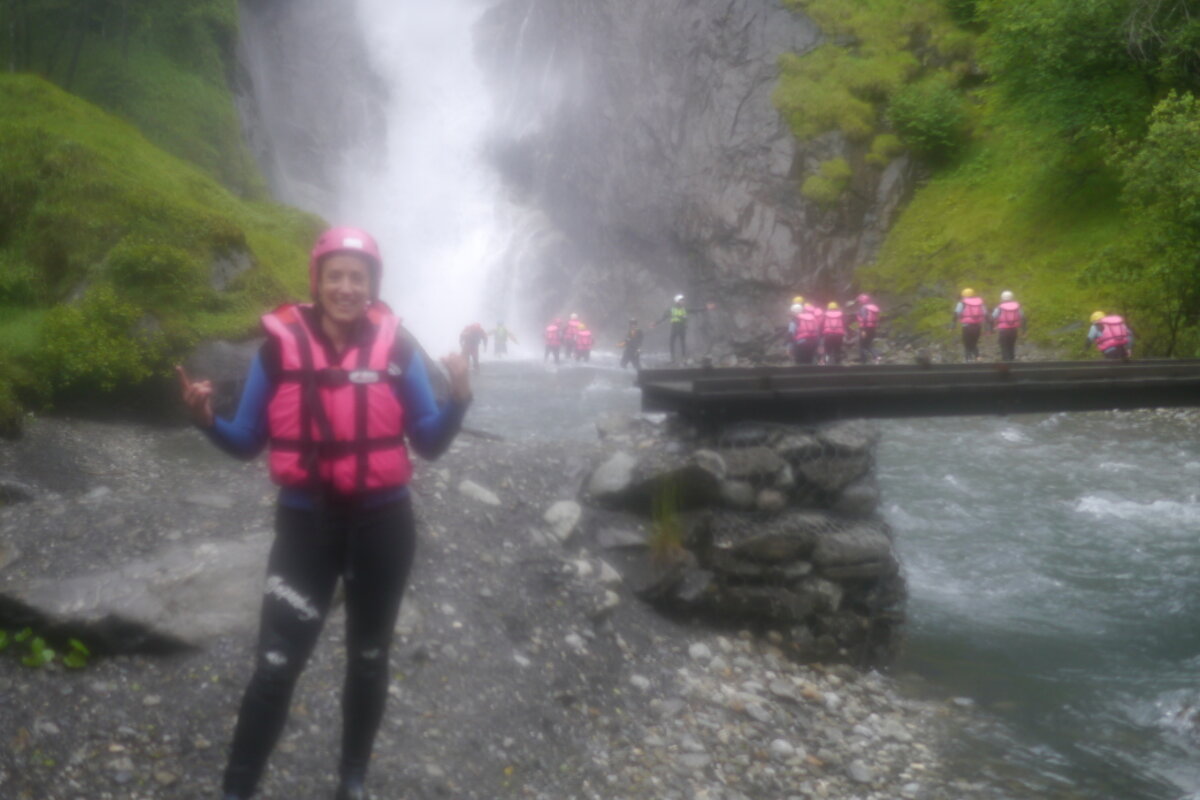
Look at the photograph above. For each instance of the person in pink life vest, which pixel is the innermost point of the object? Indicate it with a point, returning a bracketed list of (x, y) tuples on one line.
[(806, 335), (833, 333), (337, 393), (583, 343), (1111, 335), (553, 339), (569, 335), (470, 340), (867, 318), (970, 313), (819, 314), (1008, 319)]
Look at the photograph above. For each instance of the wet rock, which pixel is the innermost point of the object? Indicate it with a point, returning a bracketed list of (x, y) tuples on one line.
[(862, 546), (563, 517), (861, 498), (619, 539), (784, 538), (183, 597), (14, 491), (757, 465), (479, 493), (612, 479), (737, 494), (771, 501)]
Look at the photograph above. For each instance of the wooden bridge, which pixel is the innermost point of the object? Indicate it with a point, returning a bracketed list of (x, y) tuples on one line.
[(711, 396)]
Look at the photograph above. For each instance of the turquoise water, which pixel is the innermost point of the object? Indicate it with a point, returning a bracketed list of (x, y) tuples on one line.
[(1054, 569)]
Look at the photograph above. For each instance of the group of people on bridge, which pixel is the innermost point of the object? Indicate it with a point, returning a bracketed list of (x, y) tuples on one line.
[(1109, 332), (817, 335)]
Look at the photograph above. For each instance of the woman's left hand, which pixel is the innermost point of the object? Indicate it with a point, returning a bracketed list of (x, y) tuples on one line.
[(460, 380)]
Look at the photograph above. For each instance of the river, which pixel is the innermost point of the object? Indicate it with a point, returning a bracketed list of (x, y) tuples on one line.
[(1053, 564)]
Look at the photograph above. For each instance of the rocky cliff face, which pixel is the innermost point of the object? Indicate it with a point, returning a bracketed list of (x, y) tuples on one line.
[(646, 132), (307, 95)]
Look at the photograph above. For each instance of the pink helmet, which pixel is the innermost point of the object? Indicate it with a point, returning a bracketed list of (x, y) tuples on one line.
[(346, 240), (863, 298)]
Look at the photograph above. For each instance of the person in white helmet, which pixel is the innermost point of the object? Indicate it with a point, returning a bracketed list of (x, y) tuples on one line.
[(678, 315), (1007, 319)]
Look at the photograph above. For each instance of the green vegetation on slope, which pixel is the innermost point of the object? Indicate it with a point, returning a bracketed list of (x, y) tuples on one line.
[(164, 67), (108, 247), (1062, 167)]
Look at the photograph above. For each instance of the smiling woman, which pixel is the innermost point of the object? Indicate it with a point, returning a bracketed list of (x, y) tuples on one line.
[(337, 392)]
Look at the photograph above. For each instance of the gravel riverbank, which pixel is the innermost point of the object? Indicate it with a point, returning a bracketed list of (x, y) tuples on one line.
[(524, 666)]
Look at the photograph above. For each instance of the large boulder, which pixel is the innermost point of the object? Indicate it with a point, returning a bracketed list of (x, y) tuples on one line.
[(183, 597)]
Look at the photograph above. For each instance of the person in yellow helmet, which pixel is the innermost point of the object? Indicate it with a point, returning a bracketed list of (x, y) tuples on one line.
[(833, 333), (1111, 336), (970, 313)]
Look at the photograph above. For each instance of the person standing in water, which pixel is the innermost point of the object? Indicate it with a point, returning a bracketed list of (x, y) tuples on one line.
[(471, 339), (631, 348), (336, 392), (500, 337), (553, 339)]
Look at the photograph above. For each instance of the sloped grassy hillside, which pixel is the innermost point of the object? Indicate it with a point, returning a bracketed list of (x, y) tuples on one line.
[(1060, 141), (165, 67), (115, 256)]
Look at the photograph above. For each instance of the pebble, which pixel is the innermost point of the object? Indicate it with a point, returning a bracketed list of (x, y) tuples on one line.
[(640, 682), (700, 652), (860, 772), (782, 749)]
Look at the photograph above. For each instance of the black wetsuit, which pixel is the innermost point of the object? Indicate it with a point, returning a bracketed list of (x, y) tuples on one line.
[(372, 551), (632, 353)]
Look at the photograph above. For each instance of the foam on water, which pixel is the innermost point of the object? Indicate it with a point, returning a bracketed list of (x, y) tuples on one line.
[(1054, 562), (1156, 513)]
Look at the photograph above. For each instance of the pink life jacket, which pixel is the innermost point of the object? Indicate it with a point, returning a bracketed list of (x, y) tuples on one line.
[(1010, 316), (972, 311), (342, 419), (552, 339), (835, 323), (583, 340), (572, 331), (868, 316), (807, 326), (1113, 333)]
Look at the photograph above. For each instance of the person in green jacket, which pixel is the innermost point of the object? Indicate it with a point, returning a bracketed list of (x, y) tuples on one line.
[(678, 315), (500, 337)]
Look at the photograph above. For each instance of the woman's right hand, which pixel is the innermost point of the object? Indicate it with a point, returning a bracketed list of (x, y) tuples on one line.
[(197, 396)]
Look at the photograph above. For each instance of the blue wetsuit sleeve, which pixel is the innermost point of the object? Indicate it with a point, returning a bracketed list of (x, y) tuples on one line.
[(1093, 333), (430, 428), (245, 435)]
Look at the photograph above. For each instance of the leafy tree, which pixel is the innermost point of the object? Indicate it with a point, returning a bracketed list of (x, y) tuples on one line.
[(931, 118), (1159, 266)]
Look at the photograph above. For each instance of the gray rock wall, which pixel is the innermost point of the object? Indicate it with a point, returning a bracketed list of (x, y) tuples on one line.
[(645, 131), (778, 528)]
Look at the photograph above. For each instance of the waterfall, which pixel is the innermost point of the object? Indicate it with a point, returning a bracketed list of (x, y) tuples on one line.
[(431, 200), (384, 126)]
